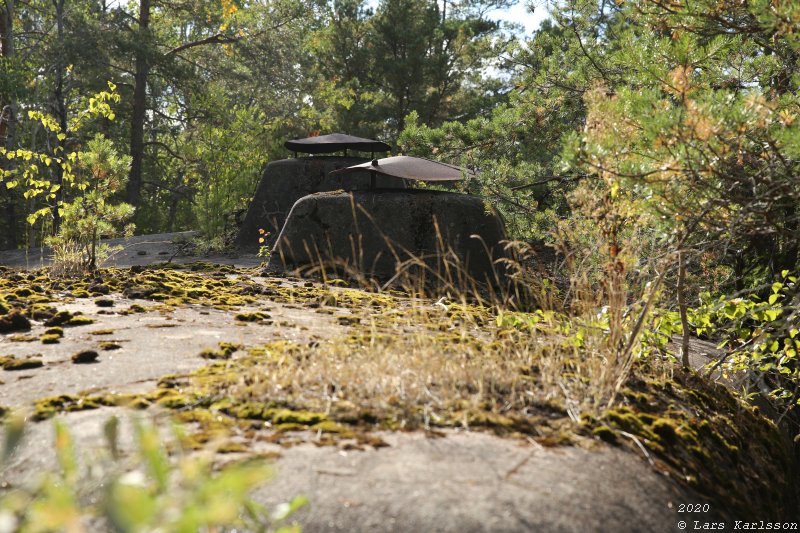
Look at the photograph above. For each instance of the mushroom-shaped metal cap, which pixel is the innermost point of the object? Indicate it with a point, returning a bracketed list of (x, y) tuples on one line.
[(335, 142), (410, 168)]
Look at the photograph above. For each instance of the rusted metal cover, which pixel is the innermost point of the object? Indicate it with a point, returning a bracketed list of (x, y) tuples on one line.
[(335, 142), (411, 168)]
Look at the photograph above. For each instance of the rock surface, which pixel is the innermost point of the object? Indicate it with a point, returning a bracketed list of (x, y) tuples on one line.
[(286, 181), (464, 482), (176, 247), (470, 482), (375, 232)]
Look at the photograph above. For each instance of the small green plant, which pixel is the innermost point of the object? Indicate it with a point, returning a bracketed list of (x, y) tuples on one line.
[(263, 249), (68, 190), (147, 491), (761, 336), (101, 173)]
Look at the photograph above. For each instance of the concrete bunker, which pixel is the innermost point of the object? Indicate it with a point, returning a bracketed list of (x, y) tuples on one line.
[(381, 232), (284, 182)]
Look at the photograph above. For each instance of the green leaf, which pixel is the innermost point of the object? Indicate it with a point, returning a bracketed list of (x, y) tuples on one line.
[(131, 506), (65, 452), (111, 432), (14, 431), (156, 459)]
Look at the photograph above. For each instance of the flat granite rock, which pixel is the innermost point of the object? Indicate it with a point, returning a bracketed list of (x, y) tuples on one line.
[(286, 181), (375, 232)]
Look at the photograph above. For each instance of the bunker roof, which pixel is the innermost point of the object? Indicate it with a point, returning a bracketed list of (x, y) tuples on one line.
[(411, 168), (335, 142)]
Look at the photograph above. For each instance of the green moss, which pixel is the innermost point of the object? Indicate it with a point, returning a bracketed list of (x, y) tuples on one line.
[(139, 403), (54, 331), (41, 311), (45, 408), (256, 351), (173, 399), (109, 345), (665, 429), (50, 339), (305, 418), (348, 320), (59, 319), (328, 426), (11, 363), (23, 338), (102, 332), (605, 433), (256, 316), (84, 357), (225, 351), (289, 426), (371, 440), (489, 419), (328, 300), (230, 347), (736, 457), (198, 292), (79, 320), (14, 321), (232, 447), (247, 410), (210, 353)]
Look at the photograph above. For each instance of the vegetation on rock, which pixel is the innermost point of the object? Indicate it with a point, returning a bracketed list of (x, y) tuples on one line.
[(644, 156)]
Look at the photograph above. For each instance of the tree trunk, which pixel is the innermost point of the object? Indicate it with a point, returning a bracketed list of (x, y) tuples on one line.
[(682, 308), (134, 188), (8, 123), (175, 198), (60, 111)]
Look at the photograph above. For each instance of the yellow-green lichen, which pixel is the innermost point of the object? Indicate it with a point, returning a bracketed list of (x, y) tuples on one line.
[(22, 338), (79, 320), (11, 363), (110, 345), (50, 338), (225, 351)]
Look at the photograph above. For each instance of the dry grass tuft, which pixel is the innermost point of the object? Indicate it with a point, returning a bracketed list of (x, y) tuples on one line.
[(441, 364), (537, 334)]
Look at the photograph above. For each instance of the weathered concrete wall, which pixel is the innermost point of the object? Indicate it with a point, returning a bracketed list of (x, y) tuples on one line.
[(372, 232), (286, 181)]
